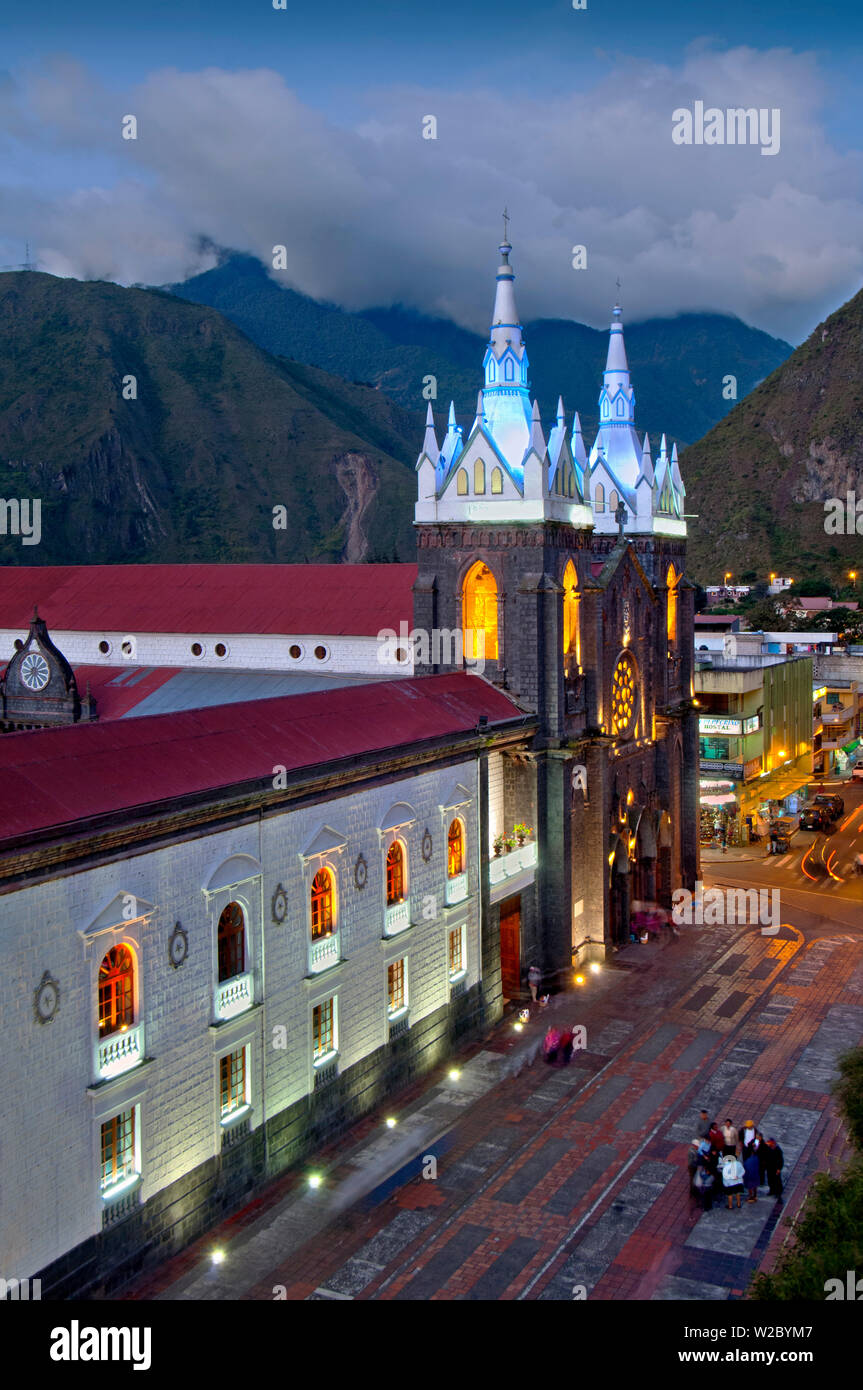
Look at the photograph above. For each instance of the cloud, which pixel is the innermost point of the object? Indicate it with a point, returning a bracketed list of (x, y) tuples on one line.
[(375, 214)]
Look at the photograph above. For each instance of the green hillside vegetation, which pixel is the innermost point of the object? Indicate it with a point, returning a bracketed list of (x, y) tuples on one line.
[(759, 479), (220, 433)]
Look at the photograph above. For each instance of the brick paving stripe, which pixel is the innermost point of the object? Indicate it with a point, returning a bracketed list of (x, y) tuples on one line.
[(603, 1099), (639, 1114), (443, 1266), (533, 1170), (504, 1269)]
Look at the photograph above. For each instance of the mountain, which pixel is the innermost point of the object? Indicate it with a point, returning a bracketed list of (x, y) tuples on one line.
[(220, 433), (758, 480), (678, 364)]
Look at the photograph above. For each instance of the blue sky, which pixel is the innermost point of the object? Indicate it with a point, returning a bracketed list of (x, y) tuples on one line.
[(573, 91)]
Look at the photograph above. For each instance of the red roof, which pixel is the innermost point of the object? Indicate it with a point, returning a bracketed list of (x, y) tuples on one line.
[(301, 600), (51, 778), (114, 700)]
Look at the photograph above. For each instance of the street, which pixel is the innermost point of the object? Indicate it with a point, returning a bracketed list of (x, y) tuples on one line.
[(516, 1180)]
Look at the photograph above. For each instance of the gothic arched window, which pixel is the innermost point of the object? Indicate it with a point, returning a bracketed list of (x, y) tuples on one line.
[(116, 991), (621, 408), (479, 613), (455, 849), (510, 375), (461, 483), (395, 874), (322, 904), (479, 476), (599, 498), (613, 501), (672, 580), (232, 942), (571, 634), (496, 480)]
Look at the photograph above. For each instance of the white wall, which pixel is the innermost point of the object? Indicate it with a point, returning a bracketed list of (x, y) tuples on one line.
[(50, 1123)]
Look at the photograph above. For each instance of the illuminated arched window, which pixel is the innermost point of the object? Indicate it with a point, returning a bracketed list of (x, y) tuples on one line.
[(395, 874), (232, 942), (479, 476), (571, 634), (570, 482), (461, 483), (479, 613), (496, 480), (116, 991), (322, 904), (599, 498), (613, 501), (672, 580), (455, 849)]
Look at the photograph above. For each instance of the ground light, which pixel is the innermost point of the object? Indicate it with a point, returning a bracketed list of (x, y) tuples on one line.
[(218, 1257), (595, 967), (454, 1074), (518, 1027), (579, 979), (391, 1123), (315, 1180)]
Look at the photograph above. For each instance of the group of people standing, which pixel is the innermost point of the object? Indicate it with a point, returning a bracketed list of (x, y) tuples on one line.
[(726, 1160), (557, 1046)]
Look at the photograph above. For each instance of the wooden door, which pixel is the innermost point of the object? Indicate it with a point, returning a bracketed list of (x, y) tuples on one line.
[(510, 947)]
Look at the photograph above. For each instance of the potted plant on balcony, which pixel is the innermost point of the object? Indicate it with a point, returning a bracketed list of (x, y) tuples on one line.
[(521, 831), (509, 843), (497, 844)]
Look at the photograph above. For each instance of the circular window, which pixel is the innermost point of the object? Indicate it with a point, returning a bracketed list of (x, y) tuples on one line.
[(321, 653), (104, 648), (197, 649), (221, 649), (623, 695), (128, 649), (296, 651)]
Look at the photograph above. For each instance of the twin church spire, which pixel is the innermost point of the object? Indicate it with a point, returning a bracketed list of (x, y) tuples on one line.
[(508, 470)]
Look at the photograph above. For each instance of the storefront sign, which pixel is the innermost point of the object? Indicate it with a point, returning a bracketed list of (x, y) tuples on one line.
[(716, 724), (752, 769), (732, 770), (752, 724)]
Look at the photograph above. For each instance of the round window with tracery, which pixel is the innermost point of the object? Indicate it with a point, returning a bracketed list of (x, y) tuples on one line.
[(623, 693)]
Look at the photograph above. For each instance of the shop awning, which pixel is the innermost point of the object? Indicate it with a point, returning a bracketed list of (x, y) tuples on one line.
[(774, 787)]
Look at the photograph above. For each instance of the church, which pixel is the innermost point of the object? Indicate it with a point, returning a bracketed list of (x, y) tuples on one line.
[(268, 869)]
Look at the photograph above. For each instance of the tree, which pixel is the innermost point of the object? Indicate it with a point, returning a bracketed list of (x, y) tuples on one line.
[(828, 1235)]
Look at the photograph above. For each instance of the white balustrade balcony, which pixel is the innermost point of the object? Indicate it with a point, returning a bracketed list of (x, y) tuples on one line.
[(398, 916), (119, 1052), (324, 951), (511, 872), (456, 889), (233, 997)]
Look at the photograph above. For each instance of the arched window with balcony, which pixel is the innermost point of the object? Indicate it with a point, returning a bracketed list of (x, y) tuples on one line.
[(116, 991), (395, 873), (323, 904), (455, 848), (232, 942), (479, 613)]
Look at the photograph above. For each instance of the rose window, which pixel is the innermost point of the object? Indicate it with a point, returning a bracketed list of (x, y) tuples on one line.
[(623, 691)]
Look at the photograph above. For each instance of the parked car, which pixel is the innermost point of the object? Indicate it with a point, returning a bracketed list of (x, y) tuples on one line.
[(816, 818), (857, 773), (834, 805)]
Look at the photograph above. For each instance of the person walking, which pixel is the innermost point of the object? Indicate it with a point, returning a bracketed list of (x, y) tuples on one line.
[(551, 1045), (774, 1159), (750, 1176), (534, 980), (730, 1135), (732, 1179), (692, 1165), (565, 1050), (703, 1125), (760, 1146), (705, 1175)]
